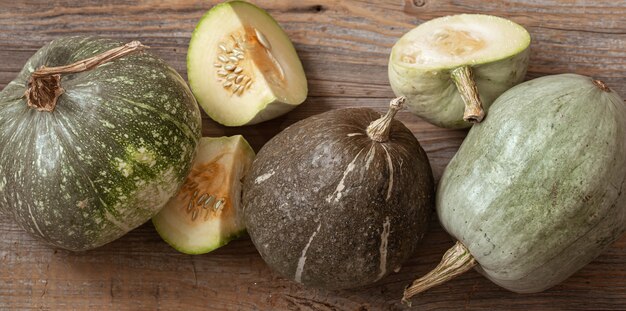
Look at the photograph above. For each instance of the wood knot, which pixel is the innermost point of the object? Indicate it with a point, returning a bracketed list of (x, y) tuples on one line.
[(318, 8)]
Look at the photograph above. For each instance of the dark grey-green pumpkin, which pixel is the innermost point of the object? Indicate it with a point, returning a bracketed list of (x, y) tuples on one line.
[(117, 146), (328, 207), (536, 191)]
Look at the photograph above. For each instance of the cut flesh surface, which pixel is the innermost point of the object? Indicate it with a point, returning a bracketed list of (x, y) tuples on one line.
[(240, 62), (205, 214), (458, 40)]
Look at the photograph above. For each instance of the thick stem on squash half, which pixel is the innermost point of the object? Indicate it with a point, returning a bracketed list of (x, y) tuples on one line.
[(44, 85), (464, 80), (456, 261), (378, 130)]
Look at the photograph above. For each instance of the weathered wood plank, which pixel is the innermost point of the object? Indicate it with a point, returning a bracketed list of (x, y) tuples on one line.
[(344, 46)]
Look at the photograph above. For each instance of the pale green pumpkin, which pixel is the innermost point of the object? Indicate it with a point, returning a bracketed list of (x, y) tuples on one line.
[(536, 191)]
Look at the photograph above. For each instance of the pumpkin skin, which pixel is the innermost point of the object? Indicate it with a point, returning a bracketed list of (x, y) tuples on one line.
[(117, 146), (326, 206), (536, 191)]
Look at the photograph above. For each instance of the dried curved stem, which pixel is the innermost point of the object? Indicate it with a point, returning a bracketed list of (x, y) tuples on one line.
[(378, 130), (456, 261), (44, 85), (464, 80), (601, 85)]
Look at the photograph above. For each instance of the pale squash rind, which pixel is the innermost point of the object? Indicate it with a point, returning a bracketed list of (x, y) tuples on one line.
[(536, 191)]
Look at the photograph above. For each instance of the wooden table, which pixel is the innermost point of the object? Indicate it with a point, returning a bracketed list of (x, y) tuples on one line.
[(344, 46)]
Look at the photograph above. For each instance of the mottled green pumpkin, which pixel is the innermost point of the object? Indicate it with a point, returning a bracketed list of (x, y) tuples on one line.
[(536, 191), (114, 149)]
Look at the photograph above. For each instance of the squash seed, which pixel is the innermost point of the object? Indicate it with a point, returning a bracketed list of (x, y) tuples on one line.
[(262, 39), (218, 204), (208, 201), (202, 198), (229, 74)]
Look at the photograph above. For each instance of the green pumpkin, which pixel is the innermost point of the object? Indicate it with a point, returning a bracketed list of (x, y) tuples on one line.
[(114, 149), (536, 191)]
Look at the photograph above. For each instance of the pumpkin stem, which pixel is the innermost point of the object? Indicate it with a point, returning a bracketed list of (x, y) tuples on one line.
[(44, 85), (464, 80), (601, 85), (378, 130), (456, 261)]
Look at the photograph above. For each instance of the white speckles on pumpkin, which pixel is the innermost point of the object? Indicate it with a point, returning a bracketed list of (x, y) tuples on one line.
[(82, 204), (107, 124), (144, 156), (123, 167), (264, 177)]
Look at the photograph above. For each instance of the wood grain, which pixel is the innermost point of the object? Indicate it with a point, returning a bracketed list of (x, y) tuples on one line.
[(344, 46)]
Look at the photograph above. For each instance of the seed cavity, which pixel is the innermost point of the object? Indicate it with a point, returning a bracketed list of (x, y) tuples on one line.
[(268, 48), (231, 51), (204, 204)]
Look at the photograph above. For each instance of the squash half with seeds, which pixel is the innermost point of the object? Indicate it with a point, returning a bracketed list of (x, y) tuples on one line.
[(205, 215), (242, 67), (452, 68)]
